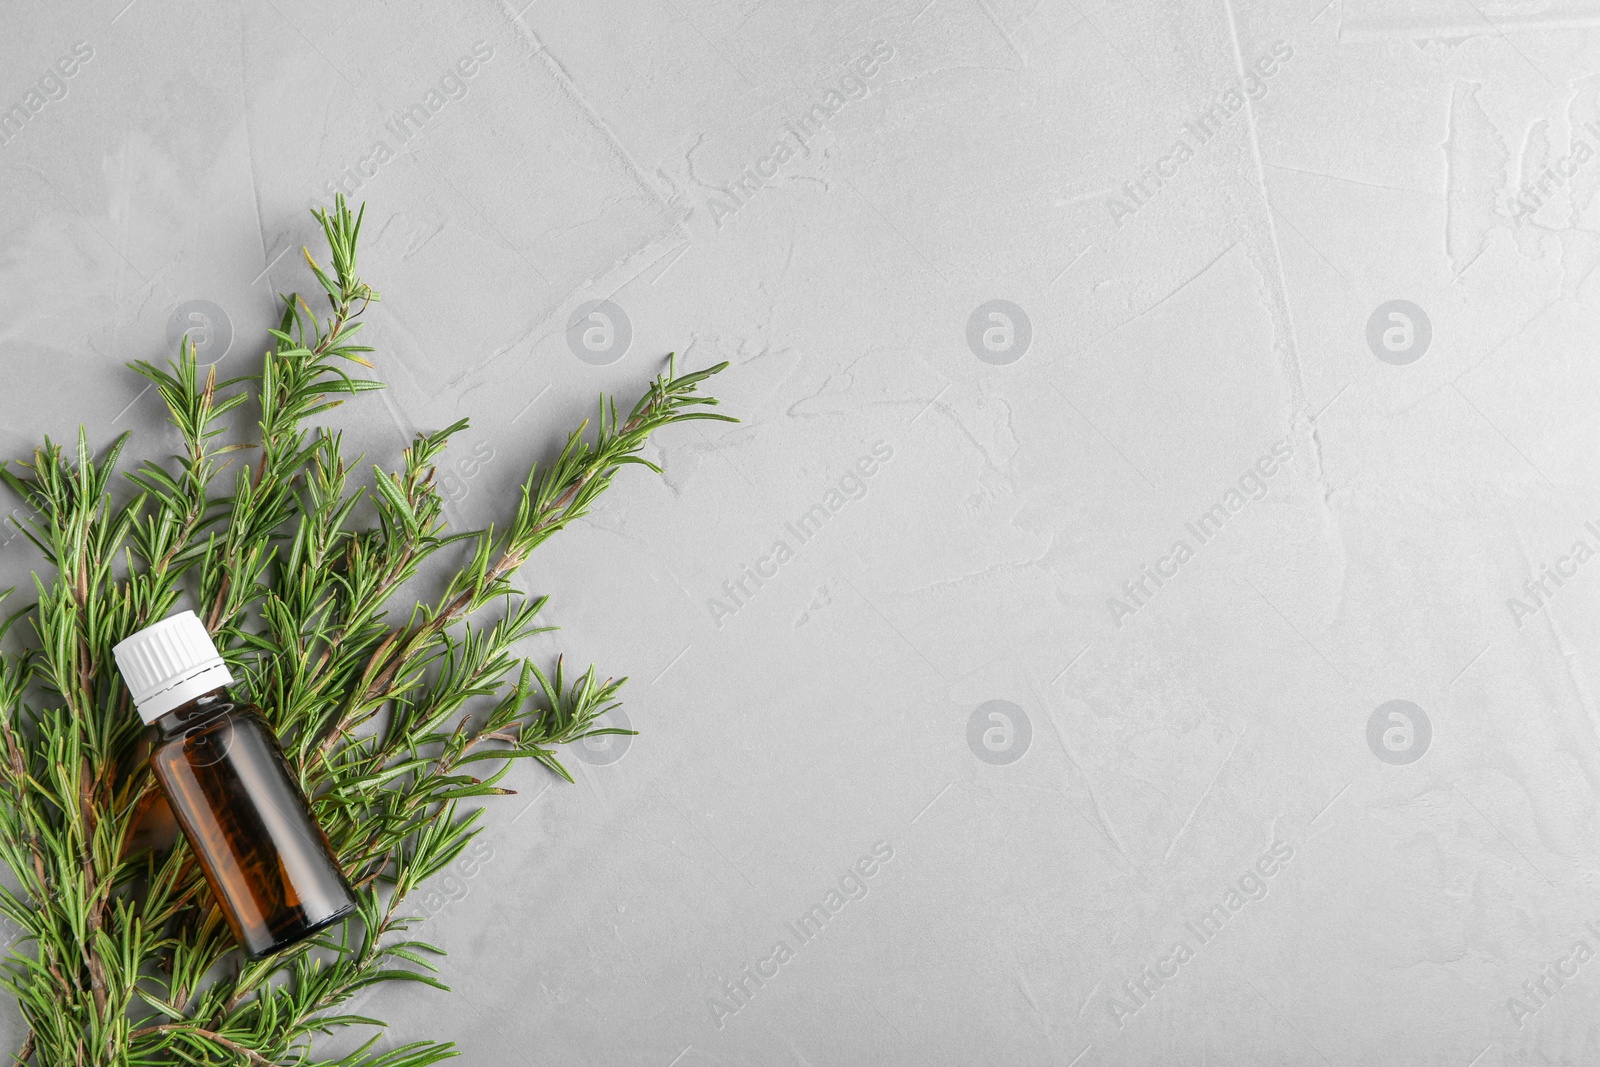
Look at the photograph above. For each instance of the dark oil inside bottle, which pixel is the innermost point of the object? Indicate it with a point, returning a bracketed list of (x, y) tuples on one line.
[(267, 860)]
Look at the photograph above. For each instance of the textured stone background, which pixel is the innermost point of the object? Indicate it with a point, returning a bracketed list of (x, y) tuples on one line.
[(1186, 329)]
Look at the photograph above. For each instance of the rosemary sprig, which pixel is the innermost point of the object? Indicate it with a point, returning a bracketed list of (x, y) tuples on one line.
[(395, 730)]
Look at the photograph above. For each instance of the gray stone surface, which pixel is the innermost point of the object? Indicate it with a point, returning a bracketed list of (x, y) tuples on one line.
[(1300, 268)]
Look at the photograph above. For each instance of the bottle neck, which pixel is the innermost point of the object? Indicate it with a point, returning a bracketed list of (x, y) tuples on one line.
[(205, 706)]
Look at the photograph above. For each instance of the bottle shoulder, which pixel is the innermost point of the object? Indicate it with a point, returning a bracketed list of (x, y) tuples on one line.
[(208, 713)]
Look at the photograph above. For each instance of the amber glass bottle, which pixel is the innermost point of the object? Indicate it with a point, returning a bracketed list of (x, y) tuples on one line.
[(233, 795)]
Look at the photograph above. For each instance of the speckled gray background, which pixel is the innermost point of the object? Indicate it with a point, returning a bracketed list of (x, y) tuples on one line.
[(1106, 590)]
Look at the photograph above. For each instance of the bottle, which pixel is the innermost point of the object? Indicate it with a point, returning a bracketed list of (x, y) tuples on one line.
[(268, 862)]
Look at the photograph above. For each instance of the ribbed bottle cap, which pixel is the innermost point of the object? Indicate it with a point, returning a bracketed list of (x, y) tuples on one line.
[(170, 663)]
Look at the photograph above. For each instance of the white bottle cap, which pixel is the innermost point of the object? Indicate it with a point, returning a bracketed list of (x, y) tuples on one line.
[(170, 663)]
